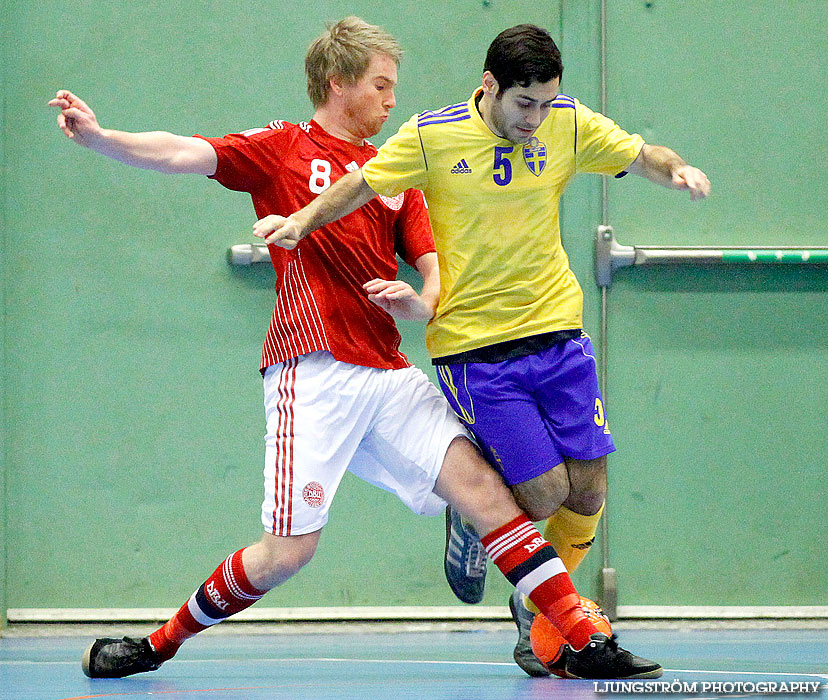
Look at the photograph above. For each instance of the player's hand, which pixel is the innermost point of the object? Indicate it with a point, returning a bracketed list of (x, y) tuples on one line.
[(76, 119), (687, 177), (284, 232), (398, 299)]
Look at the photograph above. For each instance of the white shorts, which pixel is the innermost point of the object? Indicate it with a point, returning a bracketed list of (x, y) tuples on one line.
[(390, 427)]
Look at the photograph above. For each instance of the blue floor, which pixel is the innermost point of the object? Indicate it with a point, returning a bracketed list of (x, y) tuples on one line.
[(417, 665)]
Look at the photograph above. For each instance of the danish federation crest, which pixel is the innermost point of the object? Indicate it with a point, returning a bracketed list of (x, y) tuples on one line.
[(313, 494), (534, 155)]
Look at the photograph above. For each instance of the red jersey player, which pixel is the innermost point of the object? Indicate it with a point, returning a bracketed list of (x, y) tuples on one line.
[(338, 393), (281, 167)]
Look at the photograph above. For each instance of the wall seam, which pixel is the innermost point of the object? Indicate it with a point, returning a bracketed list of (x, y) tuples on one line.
[(4, 42)]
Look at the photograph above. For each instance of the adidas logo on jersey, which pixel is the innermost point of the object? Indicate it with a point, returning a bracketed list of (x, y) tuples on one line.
[(461, 168)]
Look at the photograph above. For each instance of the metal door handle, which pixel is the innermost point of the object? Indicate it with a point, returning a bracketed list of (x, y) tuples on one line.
[(611, 255), (248, 254)]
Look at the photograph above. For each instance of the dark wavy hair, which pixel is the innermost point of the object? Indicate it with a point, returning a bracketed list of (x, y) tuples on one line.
[(522, 55)]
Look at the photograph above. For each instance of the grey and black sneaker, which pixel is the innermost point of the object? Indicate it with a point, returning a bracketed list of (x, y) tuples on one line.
[(465, 560), (603, 658), (524, 657), (116, 658)]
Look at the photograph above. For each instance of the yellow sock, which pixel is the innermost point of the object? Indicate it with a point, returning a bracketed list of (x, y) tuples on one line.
[(571, 534)]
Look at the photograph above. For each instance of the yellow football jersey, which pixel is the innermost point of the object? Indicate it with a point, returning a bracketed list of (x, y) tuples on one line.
[(493, 205)]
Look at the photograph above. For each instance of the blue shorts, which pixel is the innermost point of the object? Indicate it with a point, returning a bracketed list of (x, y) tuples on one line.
[(530, 412)]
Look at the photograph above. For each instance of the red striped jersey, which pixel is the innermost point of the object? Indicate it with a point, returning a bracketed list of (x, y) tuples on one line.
[(320, 302)]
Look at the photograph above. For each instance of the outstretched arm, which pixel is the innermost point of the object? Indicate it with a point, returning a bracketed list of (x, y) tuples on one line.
[(665, 167), (400, 300), (347, 194), (152, 150)]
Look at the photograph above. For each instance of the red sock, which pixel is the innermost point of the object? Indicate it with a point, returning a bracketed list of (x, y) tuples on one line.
[(225, 593), (532, 566)]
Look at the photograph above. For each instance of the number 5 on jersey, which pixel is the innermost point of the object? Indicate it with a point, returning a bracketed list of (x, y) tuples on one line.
[(502, 165), (320, 177)]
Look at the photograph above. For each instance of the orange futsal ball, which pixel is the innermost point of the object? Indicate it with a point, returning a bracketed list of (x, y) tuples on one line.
[(547, 641)]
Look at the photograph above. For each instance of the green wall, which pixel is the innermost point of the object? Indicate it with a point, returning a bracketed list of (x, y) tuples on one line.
[(132, 407), (134, 421), (3, 237), (717, 375)]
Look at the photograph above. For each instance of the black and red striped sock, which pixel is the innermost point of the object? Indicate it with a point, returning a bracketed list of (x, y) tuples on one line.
[(533, 567), (225, 593)]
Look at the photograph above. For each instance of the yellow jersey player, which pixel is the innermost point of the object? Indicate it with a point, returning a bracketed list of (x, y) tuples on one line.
[(507, 335)]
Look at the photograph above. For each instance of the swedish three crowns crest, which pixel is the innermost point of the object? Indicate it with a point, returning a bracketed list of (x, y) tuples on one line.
[(534, 155)]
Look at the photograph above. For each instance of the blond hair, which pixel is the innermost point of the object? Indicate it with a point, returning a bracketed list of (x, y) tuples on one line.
[(344, 51)]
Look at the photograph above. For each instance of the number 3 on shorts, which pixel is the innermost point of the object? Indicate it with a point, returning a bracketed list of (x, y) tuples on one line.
[(599, 413)]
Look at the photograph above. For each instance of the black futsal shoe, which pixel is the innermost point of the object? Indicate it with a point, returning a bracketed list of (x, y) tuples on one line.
[(116, 658), (524, 656), (603, 658), (465, 559)]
